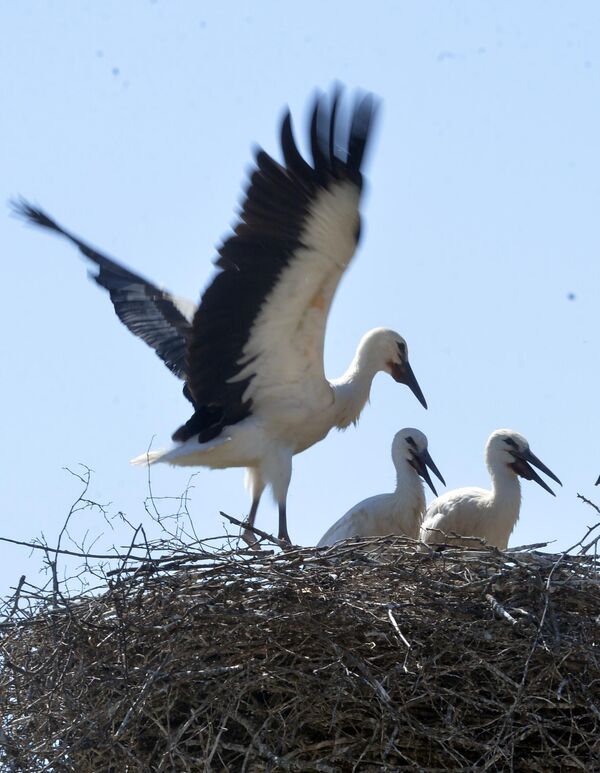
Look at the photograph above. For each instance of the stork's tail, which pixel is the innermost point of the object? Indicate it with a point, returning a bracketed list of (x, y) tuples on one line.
[(148, 457)]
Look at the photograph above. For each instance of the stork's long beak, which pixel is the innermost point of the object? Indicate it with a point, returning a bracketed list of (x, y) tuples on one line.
[(403, 374), (522, 468), (421, 461), (598, 481)]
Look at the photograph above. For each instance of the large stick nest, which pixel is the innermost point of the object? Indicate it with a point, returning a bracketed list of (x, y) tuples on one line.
[(366, 656)]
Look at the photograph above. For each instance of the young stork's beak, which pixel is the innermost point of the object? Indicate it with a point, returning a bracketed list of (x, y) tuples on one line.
[(403, 374), (522, 467), (421, 461)]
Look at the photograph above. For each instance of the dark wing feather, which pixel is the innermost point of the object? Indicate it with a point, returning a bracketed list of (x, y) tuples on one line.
[(265, 241), (147, 311)]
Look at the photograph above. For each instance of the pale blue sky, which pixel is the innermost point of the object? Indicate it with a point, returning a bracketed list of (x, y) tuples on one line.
[(132, 124)]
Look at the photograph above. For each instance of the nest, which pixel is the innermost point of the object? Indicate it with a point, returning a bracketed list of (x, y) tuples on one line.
[(366, 656)]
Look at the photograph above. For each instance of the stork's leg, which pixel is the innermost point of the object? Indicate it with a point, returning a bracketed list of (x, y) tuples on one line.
[(256, 485), (248, 535), (277, 470), (283, 532)]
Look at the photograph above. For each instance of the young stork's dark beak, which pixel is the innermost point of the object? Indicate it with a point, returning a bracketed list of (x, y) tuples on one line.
[(522, 466), (421, 461), (403, 374)]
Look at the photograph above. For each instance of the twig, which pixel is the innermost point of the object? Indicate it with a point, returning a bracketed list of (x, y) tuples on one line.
[(589, 502), (65, 552), (263, 534), (138, 703), (17, 595), (499, 609)]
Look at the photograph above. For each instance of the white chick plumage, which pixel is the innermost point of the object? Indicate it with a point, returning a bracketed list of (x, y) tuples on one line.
[(400, 512), (487, 515)]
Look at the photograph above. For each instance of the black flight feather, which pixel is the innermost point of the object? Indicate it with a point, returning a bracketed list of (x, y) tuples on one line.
[(147, 311)]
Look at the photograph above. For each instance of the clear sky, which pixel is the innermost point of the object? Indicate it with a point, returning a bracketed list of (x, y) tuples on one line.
[(133, 124)]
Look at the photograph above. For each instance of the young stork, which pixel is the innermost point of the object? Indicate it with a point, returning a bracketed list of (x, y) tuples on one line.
[(252, 355), (488, 515), (397, 513)]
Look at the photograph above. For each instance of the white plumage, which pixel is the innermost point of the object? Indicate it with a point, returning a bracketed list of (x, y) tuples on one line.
[(400, 512), (488, 515)]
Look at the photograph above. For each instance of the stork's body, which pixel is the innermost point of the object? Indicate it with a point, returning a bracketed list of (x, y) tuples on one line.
[(285, 425), (252, 357), (488, 515), (400, 512)]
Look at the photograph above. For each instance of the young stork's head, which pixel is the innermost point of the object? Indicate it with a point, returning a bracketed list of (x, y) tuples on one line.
[(507, 447), (387, 351), (410, 445)]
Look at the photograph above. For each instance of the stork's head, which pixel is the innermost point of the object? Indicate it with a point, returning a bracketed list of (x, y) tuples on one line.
[(507, 447), (388, 352), (410, 445)]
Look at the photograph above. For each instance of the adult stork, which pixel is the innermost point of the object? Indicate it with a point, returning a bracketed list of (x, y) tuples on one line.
[(252, 355), (487, 515), (400, 512)]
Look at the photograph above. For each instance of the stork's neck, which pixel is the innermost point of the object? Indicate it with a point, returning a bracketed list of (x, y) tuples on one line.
[(409, 486), (506, 489), (353, 388)]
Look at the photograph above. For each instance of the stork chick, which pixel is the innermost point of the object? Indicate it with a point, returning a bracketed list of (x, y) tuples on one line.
[(397, 513), (488, 515)]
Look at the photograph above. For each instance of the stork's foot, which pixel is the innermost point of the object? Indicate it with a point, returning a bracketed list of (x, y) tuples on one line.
[(250, 539), (247, 534)]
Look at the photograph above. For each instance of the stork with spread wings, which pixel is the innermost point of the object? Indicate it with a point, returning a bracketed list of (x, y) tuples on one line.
[(251, 353)]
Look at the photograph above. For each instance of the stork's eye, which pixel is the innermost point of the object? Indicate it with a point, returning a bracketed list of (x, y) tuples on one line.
[(402, 350), (411, 442), (510, 442)]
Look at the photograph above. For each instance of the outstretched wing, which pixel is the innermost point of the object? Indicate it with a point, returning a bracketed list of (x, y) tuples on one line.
[(154, 315), (259, 331)]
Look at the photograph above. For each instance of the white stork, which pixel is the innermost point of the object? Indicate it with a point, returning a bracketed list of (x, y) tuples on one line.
[(397, 513), (252, 356), (487, 515)]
